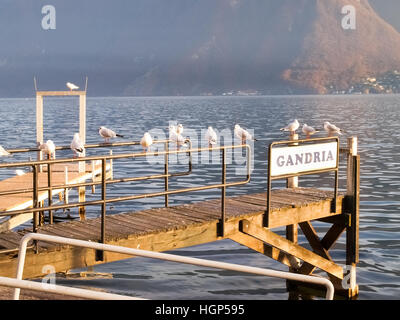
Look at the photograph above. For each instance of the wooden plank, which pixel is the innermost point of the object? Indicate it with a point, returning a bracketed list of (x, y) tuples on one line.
[(289, 247), (189, 216), (149, 217), (144, 227), (138, 229), (314, 211), (60, 93), (190, 210), (148, 226)]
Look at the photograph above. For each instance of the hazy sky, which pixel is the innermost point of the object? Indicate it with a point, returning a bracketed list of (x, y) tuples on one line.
[(112, 41)]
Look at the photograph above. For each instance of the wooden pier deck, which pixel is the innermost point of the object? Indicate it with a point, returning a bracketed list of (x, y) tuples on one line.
[(163, 229), (19, 201)]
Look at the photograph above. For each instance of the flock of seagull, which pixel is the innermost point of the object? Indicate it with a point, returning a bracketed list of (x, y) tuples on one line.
[(175, 135), (330, 128)]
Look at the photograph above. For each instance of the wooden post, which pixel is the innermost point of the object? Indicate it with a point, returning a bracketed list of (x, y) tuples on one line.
[(82, 136), (39, 124), (353, 205), (293, 182), (292, 230)]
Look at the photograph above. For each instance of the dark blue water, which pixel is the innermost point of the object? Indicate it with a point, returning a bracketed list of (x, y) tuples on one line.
[(374, 119)]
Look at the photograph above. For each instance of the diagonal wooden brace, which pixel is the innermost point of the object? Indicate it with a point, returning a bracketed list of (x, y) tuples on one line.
[(291, 248)]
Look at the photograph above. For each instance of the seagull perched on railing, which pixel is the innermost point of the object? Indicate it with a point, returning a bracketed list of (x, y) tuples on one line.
[(3, 152), (107, 134), (146, 141), (211, 137), (77, 146), (179, 129), (308, 130), (291, 127), (331, 129), (72, 86), (243, 134), (48, 148)]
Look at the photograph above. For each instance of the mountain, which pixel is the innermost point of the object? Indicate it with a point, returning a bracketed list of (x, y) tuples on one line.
[(285, 46), (191, 47)]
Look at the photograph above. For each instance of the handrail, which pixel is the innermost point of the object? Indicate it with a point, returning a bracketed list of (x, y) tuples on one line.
[(93, 183), (167, 257), (64, 290), (103, 158)]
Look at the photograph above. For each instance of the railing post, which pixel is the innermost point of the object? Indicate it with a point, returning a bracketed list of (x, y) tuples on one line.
[(100, 254), (50, 192), (223, 195), (35, 201), (166, 159), (292, 230)]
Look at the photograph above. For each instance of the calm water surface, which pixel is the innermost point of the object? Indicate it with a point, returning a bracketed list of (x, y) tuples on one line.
[(374, 119)]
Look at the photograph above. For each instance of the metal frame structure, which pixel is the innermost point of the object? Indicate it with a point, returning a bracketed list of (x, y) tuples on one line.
[(270, 178), (36, 209)]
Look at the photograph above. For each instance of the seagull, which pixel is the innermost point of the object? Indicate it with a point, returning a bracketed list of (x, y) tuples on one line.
[(211, 137), (77, 146), (292, 127), (179, 129), (107, 134), (3, 152), (71, 86), (146, 141), (48, 148), (242, 134), (308, 130), (19, 172), (331, 129)]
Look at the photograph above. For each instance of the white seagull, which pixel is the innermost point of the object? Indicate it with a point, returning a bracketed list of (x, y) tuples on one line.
[(77, 146), (308, 130), (107, 134), (48, 148), (146, 141), (211, 137), (19, 172), (179, 129), (292, 127), (3, 152), (331, 128), (71, 86), (243, 134)]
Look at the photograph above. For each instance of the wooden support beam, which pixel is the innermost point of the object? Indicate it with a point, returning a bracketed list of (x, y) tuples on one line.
[(261, 247), (326, 243), (291, 248)]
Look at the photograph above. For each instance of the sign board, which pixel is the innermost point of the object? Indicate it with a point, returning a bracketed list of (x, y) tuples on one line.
[(304, 158)]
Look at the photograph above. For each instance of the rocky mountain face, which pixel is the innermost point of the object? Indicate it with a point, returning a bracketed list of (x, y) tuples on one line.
[(279, 46)]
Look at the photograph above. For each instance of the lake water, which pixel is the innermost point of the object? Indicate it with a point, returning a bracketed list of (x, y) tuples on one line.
[(374, 119)]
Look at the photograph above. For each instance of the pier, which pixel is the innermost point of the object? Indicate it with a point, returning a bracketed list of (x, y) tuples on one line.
[(251, 220)]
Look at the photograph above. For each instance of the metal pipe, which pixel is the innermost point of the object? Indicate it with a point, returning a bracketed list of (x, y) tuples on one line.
[(50, 193), (117, 199), (223, 194), (166, 164), (117, 156), (167, 257), (69, 291)]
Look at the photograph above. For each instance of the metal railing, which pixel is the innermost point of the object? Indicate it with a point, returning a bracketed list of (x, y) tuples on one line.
[(36, 209), (167, 257), (270, 178)]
